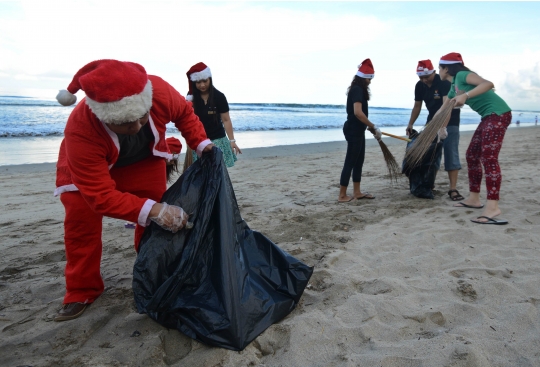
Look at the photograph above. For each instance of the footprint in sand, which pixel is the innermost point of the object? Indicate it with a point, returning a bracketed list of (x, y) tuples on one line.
[(467, 291)]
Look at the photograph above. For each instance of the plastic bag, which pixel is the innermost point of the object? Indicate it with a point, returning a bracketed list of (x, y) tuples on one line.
[(422, 177), (219, 282)]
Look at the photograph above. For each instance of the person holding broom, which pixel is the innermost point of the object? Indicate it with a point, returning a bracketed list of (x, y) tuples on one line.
[(469, 88), (112, 162), (212, 108), (354, 130), (432, 90)]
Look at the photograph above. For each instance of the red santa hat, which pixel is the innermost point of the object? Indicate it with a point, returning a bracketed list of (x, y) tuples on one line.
[(197, 72), (365, 70), (425, 67), (116, 91), (451, 58)]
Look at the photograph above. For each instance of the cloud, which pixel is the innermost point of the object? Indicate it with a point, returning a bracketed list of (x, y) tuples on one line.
[(296, 52), (523, 85)]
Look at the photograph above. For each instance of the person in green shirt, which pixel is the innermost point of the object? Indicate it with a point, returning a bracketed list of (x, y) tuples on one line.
[(469, 88)]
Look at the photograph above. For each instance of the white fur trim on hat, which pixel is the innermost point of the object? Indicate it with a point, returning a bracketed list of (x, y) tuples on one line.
[(424, 72), (125, 110), (189, 98), (442, 62), (201, 75), (367, 76), (65, 98)]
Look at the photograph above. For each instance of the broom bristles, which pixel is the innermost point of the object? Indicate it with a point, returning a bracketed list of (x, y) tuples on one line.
[(188, 161), (415, 154), (394, 171)]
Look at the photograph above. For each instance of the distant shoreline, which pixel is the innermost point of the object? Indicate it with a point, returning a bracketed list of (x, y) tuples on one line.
[(258, 152)]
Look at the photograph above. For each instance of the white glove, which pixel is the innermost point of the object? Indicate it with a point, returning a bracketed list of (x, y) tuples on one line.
[(377, 133), (171, 218), (442, 133)]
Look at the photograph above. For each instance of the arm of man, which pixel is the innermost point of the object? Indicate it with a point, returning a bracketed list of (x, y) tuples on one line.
[(181, 113), (414, 116)]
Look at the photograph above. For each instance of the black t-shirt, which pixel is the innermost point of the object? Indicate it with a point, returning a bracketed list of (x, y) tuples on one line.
[(134, 148), (433, 98), (354, 128), (210, 116)]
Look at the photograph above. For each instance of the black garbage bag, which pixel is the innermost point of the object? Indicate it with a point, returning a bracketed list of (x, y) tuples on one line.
[(422, 177), (220, 282)]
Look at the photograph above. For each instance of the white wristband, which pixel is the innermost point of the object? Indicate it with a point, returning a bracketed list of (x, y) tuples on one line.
[(232, 140)]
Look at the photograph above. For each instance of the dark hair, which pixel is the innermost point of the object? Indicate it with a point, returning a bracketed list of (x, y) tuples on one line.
[(453, 69), (197, 99), (172, 167), (362, 83)]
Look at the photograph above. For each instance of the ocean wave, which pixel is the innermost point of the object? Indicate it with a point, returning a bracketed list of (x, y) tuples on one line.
[(34, 104), (29, 134)]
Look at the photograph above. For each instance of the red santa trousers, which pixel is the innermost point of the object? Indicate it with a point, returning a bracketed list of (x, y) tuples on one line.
[(83, 227)]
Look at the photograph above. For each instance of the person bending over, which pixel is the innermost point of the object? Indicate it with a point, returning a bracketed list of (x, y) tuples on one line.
[(112, 162), (432, 90), (469, 88)]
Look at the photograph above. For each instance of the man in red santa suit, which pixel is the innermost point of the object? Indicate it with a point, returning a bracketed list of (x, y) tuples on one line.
[(112, 162)]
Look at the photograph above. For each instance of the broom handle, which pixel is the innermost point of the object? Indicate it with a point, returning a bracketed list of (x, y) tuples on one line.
[(396, 137)]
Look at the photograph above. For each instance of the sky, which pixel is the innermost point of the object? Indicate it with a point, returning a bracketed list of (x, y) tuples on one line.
[(273, 52)]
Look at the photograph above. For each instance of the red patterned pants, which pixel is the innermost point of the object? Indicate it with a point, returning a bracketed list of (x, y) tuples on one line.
[(484, 151)]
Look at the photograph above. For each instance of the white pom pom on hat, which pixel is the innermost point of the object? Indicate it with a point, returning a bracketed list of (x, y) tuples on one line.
[(65, 98)]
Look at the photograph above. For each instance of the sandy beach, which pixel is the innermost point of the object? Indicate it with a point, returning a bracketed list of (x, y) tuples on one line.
[(398, 281)]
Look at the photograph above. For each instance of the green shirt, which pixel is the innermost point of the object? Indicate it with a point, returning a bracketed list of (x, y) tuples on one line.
[(485, 104)]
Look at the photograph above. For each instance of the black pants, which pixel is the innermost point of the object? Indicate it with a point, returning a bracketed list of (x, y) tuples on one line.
[(354, 161)]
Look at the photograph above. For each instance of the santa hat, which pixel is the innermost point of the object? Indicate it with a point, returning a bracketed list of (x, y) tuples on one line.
[(425, 67), (174, 145), (116, 91), (451, 58), (365, 70), (197, 72)]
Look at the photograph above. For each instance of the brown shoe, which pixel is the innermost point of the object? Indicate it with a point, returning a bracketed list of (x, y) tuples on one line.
[(70, 311)]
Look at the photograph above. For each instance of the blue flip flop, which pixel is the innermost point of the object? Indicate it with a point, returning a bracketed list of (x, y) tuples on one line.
[(489, 220)]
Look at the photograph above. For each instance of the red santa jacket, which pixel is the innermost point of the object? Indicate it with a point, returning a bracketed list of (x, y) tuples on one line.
[(90, 149)]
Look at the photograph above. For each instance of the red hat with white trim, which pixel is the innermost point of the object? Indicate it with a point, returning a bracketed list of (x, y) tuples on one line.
[(116, 91), (365, 70), (425, 67), (451, 58), (197, 72)]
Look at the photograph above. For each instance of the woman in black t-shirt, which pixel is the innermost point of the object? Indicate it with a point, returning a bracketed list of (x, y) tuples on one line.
[(211, 107), (354, 130)]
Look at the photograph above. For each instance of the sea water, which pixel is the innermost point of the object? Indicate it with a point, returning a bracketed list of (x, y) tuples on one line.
[(31, 129)]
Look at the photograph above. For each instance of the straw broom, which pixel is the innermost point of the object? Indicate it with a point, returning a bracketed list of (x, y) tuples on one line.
[(394, 170), (415, 154)]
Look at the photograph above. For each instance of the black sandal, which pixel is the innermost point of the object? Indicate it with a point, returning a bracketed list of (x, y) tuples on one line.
[(456, 197)]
